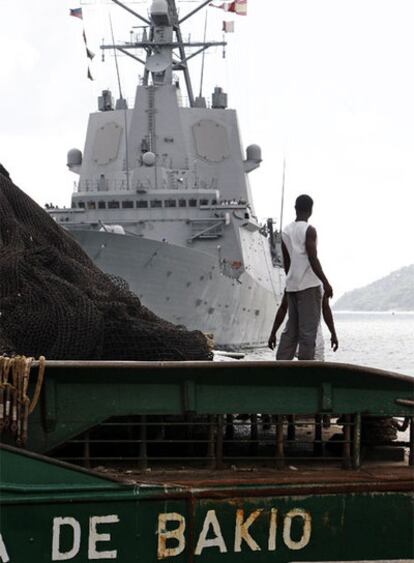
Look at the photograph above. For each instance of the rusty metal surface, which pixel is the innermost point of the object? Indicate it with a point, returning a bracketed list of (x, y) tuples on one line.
[(225, 484)]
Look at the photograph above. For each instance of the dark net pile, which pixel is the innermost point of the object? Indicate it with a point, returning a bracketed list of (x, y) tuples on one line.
[(55, 302)]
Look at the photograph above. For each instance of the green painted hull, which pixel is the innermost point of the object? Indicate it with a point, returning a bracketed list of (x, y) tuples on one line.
[(52, 511)]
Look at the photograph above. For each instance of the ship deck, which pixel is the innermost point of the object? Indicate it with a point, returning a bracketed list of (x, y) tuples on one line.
[(320, 479)]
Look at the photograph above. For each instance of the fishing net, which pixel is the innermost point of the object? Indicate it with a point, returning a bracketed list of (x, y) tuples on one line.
[(55, 302)]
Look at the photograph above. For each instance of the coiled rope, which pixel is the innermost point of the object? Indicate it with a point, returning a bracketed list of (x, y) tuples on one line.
[(15, 404)]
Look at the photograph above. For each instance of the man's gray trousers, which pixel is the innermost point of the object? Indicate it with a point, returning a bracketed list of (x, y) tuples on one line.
[(304, 314)]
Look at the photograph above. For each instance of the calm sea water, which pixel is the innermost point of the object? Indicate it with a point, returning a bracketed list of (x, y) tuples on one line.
[(380, 340)]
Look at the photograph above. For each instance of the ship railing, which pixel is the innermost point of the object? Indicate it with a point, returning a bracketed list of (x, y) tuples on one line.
[(222, 414), (237, 441), (120, 185)]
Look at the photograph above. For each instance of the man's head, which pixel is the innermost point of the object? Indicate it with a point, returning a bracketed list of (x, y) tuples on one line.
[(304, 205)]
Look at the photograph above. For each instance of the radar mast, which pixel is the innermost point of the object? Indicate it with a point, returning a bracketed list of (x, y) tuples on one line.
[(163, 44)]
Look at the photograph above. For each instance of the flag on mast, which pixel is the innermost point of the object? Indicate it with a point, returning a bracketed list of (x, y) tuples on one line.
[(238, 7), (76, 13), (228, 26), (241, 7), (90, 54)]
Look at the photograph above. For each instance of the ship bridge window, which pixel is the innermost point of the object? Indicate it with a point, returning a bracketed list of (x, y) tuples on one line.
[(203, 201), (170, 203), (113, 204), (156, 203), (192, 203), (213, 202), (127, 204), (81, 204), (91, 205), (182, 203), (142, 203), (101, 204)]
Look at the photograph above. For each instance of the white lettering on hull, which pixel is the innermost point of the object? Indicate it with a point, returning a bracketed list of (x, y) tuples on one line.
[(93, 538), (212, 536), (307, 528), (218, 541), (57, 553), (271, 545), (3, 551), (177, 534), (172, 542), (242, 530)]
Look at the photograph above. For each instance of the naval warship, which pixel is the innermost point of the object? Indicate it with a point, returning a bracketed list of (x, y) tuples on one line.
[(163, 198)]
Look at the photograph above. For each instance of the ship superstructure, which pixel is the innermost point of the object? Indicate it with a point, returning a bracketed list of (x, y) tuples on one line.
[(163, 197)]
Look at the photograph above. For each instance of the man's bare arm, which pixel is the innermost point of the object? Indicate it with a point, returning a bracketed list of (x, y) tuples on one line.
[(286, 258), (328, 318), (312, 252), (279, 318)]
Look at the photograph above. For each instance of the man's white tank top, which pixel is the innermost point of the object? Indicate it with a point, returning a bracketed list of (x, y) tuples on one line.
[(300, 275)]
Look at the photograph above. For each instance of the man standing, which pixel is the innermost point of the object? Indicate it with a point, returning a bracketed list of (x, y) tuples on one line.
[(304, 276)]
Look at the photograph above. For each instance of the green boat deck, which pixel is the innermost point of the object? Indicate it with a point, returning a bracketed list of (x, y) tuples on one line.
[(232, 461)]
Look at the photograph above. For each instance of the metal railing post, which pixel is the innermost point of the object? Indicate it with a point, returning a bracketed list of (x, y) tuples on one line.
[(143, 454), (280, 455), (346, 463), (356, 442)]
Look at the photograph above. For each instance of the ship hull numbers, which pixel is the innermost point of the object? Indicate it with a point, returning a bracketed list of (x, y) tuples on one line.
[(171, 535)]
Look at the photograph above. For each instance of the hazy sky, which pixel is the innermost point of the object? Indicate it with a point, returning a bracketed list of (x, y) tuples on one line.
[(327, 84)]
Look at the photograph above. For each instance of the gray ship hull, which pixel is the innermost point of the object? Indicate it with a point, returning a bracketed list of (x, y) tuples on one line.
[(186, 287)]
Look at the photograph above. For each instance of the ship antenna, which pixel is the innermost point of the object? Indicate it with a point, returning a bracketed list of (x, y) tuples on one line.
[(203, 57), (124, 105), (282, 202), (148, 46)]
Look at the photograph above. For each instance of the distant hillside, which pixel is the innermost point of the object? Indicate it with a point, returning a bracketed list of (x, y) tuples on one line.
[(395, 292)]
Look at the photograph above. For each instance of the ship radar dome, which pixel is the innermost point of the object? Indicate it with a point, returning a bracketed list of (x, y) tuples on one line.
[(74, 158), (253, 158), (148, 158), (254, 153)]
